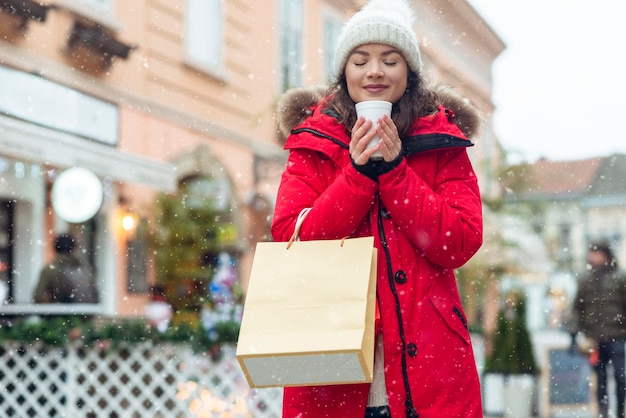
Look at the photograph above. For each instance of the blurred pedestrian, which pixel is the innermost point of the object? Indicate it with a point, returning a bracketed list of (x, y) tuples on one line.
[(158, 312), (68, 278), (599, 312), (414, 190)]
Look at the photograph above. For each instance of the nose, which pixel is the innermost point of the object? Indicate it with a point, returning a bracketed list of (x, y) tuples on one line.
[(375, 71)]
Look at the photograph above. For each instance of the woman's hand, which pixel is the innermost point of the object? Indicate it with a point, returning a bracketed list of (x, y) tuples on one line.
[(389, 145)]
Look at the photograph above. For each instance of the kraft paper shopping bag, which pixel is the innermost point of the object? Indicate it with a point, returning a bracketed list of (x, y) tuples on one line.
[(309, 313)]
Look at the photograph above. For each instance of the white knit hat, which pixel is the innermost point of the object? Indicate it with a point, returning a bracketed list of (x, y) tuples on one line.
[(387, 22)]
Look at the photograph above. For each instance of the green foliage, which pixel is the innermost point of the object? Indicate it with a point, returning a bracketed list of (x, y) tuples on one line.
[(61, 331), (53, 332), (185, 234), (189, 234), (228, 331), (512, 347), (185, 246)]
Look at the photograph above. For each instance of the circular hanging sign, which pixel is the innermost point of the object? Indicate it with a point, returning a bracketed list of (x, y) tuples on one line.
[(77, 195)]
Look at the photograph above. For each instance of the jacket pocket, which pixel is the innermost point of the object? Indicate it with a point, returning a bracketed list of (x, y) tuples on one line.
[(450, 313)]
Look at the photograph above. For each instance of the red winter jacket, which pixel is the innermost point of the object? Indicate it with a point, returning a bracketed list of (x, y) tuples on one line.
[(426, 219)]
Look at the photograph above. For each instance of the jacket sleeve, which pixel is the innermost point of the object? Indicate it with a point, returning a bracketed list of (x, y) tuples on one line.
[(574, 320), (443, 217), (340, 198)]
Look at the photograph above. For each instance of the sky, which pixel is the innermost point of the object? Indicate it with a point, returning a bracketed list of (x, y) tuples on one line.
[(560, 84)]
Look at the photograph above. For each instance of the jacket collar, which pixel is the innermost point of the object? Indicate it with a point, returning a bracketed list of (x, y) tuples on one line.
[(299, 104), (321, 132)]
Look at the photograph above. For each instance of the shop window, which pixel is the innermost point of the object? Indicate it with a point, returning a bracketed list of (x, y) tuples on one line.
[(204, 35), (85, 225), (86, 234), (137, 255), (6, 251), (28, 224)]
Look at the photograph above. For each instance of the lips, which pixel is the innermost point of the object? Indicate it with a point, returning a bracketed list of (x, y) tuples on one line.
[(375, 88)]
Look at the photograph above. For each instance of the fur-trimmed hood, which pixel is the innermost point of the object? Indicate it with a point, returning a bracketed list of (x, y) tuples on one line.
[(294, 107)]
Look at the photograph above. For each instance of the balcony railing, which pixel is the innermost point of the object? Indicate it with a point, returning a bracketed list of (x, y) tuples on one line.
[(131, 380)]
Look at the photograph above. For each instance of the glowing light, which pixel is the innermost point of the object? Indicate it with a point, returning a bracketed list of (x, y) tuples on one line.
[(129, 222)]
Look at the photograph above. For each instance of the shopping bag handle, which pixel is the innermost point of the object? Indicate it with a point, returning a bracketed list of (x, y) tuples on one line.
[(296, 232), (295, 237)]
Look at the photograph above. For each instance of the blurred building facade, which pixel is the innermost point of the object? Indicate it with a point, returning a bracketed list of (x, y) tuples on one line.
[(552, 211), (561, 207), (569, 204), (148, 94)]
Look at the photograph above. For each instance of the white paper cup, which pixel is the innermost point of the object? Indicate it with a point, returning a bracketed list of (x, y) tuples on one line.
[(373, 110)]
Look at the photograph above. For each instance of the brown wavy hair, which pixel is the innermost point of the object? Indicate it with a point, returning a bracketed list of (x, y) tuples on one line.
[(417, 101)]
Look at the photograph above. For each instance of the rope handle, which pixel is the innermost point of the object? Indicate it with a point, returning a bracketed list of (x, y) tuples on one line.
[(295, 237)]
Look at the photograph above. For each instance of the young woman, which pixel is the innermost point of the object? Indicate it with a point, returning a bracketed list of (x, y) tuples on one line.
[(420, 202)]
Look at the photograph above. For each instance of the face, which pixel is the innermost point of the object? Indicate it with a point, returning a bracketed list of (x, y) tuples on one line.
[(376, 72), (597, 259)]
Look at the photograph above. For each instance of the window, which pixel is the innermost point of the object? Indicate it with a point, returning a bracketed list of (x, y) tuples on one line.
[(291, 19), (101, 12), (564, 256), (204, 35), (6, 250), (137, 256), (332, 27), (100, 4)]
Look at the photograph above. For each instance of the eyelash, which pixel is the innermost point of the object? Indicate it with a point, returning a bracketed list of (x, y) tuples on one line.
[(361, 64)]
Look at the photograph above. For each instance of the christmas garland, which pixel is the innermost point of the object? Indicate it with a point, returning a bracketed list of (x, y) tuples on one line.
[(60, 331)]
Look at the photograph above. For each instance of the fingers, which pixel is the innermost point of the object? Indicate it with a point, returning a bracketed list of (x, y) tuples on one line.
[(361, 137), (390, 143)]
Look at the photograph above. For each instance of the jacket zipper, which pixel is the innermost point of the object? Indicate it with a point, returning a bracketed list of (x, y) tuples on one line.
[(412, 145), (320, 135)]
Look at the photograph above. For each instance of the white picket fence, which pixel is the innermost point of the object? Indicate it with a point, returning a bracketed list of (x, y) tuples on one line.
[(131, 381)]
